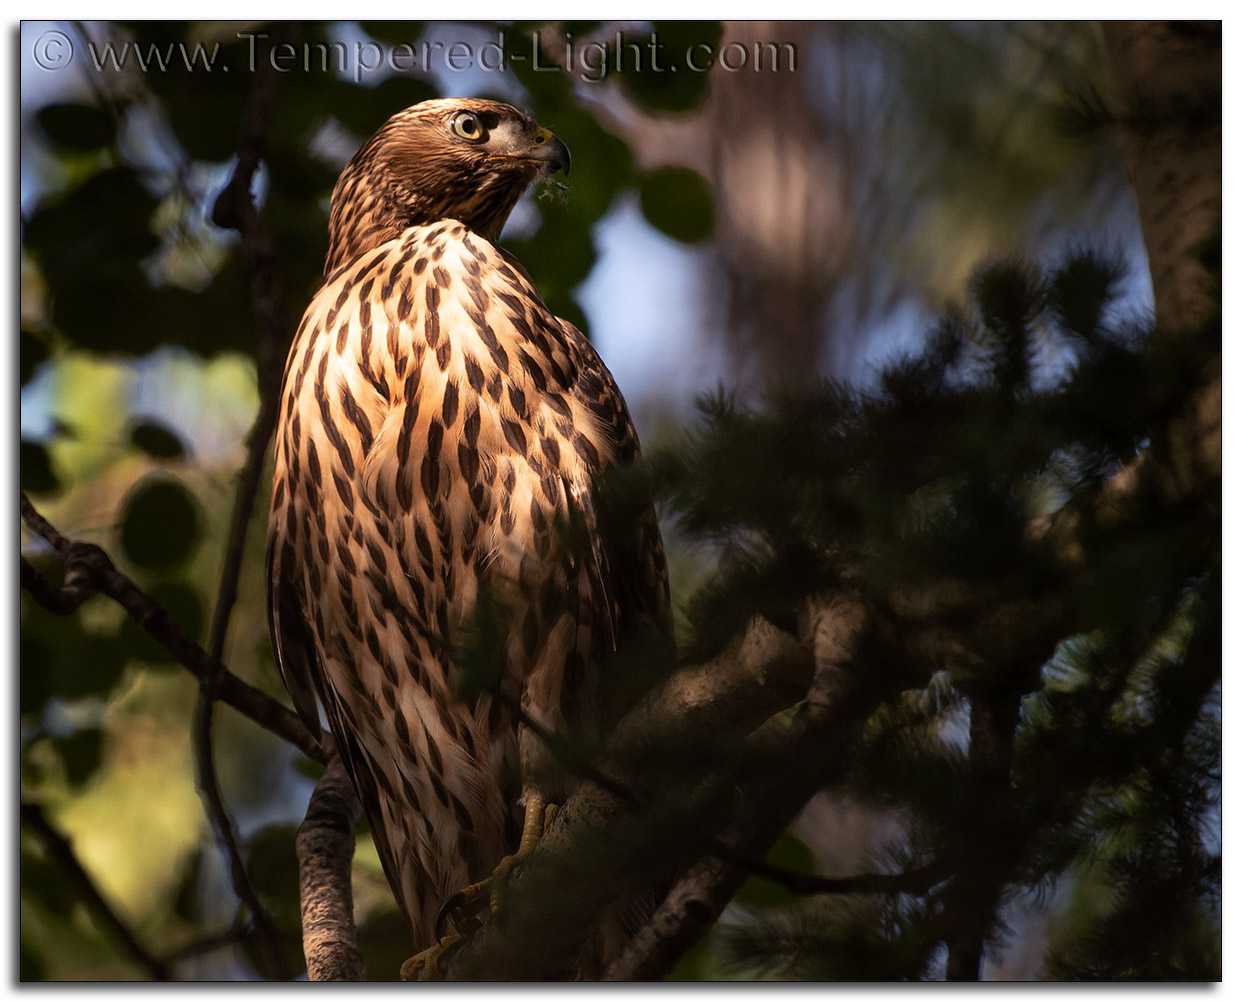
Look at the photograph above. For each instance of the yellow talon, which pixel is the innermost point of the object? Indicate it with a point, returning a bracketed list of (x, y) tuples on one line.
[(426, 966), (465, 903), (463, 908)]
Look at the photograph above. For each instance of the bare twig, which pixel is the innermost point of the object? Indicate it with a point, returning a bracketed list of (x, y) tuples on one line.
[(914, 881), (209, 786), (325, 846), (235, 207), (96, 566), (65, 600), (61, 851)]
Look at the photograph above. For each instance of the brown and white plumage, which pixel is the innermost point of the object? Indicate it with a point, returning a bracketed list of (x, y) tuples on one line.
[(441, 436)]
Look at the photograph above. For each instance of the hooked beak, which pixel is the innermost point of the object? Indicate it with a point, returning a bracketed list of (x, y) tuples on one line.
[(550, 150), (544, 149)]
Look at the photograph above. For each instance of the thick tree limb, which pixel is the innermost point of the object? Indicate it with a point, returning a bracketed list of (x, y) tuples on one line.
[(88, 562), (325, 847), (1166, 80), (602, 847), (765, 806)]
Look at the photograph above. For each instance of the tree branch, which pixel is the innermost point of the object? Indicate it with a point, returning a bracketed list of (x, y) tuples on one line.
[(234, 209), (325, 846), (87, 562), (915, 881), (235, 206), (59, 848), (209, 787), (816, 737), (603, 849)]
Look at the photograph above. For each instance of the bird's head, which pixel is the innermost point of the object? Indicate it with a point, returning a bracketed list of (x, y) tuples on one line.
[(453, 158)]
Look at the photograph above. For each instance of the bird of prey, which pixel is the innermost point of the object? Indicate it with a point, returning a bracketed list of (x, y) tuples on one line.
[(440, 451)]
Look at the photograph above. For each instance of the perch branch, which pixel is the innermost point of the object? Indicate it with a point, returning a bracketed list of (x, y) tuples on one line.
[(600, 848), (836, 706), (325, 846)]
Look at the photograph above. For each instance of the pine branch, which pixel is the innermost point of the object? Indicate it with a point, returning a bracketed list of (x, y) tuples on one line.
[(60, 849), (325, 846), (987, 859), (86, 562)]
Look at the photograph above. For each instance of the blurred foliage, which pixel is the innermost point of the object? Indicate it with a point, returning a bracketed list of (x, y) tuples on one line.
[(924, 491), (137, 373)]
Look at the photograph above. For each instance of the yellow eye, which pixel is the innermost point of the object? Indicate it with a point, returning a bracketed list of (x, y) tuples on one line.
[(467, 125)]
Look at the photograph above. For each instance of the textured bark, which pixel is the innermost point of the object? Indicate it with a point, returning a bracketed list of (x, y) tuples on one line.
[(695, 834), (1167, 91), (325, 847), (1167, 97), (764, 807)]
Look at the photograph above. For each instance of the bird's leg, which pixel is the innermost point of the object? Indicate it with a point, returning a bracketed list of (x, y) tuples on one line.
[(463, 908), (539, 814), (426, 966)]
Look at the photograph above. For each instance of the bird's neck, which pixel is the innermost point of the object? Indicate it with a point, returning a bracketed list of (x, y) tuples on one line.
[(368, 211)]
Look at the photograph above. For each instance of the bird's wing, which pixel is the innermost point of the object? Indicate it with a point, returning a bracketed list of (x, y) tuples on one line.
[(292, 642), (300, 667), (627, 563)]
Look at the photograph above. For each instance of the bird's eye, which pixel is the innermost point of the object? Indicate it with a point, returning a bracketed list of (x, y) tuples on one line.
[(467, 125)]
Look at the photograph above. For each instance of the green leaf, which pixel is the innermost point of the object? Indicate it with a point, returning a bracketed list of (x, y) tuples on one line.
[(678, 202), (32, 352), (362, 109), (383, 940), (77, 128), (157, 440), (667, 70), (159, 524), (204, 103), (34, 682), (37, 475), (271, 858), (59, 657), (90, 245), (30, 966), (44, 881), (81, 753), (393, 32)]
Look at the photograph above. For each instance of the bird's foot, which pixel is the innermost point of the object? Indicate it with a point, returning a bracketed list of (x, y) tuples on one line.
[(470, 907), (429, 965)]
